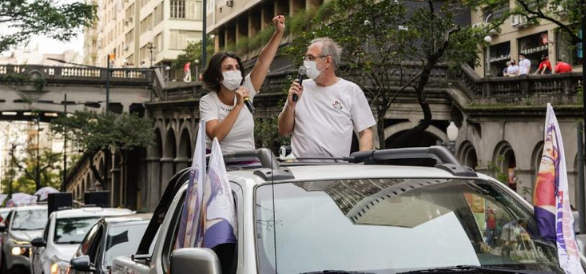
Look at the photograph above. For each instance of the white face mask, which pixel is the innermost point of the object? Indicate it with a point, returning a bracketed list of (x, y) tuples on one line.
[(232, 79), (311, 69)]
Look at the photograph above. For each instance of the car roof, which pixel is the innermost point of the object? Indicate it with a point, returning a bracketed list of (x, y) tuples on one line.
[(129, 218), (30, 207), (5, 209), (90, 211)]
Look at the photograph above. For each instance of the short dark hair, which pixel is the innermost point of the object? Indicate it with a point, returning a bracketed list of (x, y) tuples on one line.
[(212, 76)]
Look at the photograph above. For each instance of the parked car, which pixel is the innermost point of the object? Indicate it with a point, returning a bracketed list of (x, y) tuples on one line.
[(63, 234), (365, 216), (3, 213), (21, 226), (108, 238)]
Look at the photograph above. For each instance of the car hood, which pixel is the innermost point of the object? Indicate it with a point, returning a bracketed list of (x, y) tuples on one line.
[(26, 235), (64, 252)]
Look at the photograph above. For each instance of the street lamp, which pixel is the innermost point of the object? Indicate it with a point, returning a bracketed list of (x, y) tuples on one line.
[(196, 62), (38, 170), (452, 131), (488, 40)]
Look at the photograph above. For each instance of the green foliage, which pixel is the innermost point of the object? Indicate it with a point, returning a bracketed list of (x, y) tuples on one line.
[(193, 52), (93, 131), (497, 171), (43, 17), (23, 172), (324, 12), (266, 133), (242, 45)]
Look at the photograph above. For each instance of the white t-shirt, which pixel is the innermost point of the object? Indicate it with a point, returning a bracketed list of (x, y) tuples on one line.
[(241, 136), (513, 70), (326, 117), (524, 66)]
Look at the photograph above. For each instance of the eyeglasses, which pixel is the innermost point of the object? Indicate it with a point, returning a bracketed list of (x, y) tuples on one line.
[(312, 58)]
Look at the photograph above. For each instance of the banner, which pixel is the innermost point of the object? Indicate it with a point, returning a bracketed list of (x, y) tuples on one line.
[(219, 212), (551, 199), (189, 228)]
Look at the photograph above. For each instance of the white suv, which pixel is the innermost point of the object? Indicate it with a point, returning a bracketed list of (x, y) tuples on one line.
[(362, 216), (62, 235)]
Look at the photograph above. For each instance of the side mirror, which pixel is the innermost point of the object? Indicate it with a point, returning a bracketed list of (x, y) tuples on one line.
[(82, 263), (195, 260), (2, 227), (38, 242)]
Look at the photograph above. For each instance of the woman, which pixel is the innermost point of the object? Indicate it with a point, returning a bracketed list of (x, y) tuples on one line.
[(223, 108)]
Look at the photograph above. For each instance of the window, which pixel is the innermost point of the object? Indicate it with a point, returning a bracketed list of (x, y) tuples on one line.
[(565, 50), (158, 13), (179, 38), (194, 10), (72, 230), (178, 9), (29, 219)]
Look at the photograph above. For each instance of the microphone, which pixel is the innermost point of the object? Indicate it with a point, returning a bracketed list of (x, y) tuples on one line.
[(248, 104), (302, 70)]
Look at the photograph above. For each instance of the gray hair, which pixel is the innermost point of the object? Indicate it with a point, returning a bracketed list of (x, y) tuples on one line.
[(329, 48)]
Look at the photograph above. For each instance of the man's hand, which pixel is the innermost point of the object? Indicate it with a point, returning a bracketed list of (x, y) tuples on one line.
[(279, 22), (295, 89)]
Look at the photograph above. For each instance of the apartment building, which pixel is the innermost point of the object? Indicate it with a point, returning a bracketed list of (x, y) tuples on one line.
[(235, 22), (137, 31), (518, 36)]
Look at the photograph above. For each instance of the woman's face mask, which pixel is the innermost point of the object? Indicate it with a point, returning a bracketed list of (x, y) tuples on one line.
[(232, 79)]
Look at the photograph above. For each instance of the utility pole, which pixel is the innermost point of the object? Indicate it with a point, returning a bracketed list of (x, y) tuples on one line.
[(581, 187), (62, 189), (151, 47), (108, 84), (204, 39), (38, 173), (11, 171)]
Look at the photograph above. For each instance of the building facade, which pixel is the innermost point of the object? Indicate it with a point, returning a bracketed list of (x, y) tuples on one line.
[(519, 36), (142, 32)]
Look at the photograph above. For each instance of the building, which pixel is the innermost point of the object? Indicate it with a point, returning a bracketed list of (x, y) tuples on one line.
[(136, 31), (517, 36)]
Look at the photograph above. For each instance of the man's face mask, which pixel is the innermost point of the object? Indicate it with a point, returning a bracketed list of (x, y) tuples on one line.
[(311, 69)]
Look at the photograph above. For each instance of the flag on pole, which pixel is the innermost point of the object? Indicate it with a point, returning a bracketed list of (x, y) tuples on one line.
[(190, 217), (551, 199), (219, 212)]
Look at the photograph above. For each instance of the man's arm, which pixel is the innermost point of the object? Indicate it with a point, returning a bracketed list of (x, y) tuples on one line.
[(365, 139), (287, 116)]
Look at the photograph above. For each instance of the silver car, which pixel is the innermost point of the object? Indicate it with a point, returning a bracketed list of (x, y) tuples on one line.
[(21, 226)]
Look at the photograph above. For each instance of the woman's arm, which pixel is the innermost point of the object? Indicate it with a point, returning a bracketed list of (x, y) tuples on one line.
[(220, 129), (266, 56)]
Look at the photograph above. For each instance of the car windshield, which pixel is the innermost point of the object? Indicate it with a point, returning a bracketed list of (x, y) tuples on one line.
[(34, 219), (123, 240), (72, 230), (395, 225)]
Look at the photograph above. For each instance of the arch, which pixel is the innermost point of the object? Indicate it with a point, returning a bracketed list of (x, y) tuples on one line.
[(88, 183), (504, 163), (425, 139), (170, 148), (185, 150), (394, 129), (157, 148), (467, 154)]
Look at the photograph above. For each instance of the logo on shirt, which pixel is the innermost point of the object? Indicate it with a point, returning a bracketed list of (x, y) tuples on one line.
[(337, 105)]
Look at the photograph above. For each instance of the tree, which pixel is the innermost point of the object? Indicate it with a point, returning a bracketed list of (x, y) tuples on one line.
[(383, 38), (23, 171), (96, 131), (42, 17), (566, 14), (193, 52)]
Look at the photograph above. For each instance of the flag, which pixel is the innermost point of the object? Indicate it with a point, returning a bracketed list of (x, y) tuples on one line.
[(551, 199), (190, 217), (219, 212)]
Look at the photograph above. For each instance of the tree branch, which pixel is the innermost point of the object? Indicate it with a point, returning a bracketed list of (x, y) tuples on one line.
[(538, 14)]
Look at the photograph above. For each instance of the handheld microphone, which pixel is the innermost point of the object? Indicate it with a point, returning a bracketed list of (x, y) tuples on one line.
[(248, 104), (302, 70)]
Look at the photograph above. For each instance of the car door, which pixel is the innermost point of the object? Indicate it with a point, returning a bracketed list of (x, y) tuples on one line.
[(39, 258), (89, 244)]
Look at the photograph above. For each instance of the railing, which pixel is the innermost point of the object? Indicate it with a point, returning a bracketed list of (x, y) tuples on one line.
[(50, 72), (532, 89)]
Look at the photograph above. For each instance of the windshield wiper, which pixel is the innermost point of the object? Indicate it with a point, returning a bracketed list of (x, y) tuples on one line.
[(336, 272), (471, 269)]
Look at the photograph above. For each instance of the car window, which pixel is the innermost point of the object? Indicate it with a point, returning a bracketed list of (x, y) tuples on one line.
[(122, 240), (85, 245), (172, 237), (34, 219), (72, 230), (382, 223)]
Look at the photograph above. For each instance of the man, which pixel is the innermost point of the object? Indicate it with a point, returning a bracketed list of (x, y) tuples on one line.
[(544, 66), (562, 67), (524, 65), (327, 109)]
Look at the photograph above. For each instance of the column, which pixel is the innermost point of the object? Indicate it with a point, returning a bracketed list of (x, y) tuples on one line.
[(117, 189), (152, 190), (167, 171)]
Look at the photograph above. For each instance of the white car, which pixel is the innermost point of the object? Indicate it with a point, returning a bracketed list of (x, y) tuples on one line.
[(62, 235), (21, 226)]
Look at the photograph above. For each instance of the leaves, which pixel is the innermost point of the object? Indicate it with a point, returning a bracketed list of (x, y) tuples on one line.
[(193, 52), (43, 17), (93, 131)]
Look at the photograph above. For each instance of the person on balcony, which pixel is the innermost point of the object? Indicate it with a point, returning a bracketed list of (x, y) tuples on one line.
[(223, 109), (513, 70), (562, 67), (524, 65), (325, 110), (544, 66), (506, 69)]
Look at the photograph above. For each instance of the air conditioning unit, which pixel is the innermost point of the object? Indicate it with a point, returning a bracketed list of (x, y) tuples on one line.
[(230, 3), (522, 20), (125, 48)]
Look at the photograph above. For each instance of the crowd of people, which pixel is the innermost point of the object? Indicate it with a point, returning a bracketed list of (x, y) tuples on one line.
[(321, 113), (524, 67)]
